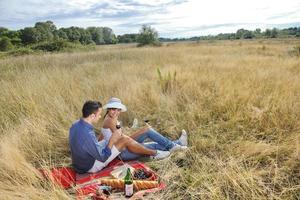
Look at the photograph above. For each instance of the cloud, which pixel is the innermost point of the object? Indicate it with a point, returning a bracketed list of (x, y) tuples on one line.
[(284, 14), (174, 18)]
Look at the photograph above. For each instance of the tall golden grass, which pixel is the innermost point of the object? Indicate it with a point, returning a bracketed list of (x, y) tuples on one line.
[(238, 100)]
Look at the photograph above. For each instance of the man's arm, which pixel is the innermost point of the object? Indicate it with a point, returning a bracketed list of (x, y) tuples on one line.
[(98, 150)]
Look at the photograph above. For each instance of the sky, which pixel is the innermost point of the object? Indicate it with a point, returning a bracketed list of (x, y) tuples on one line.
[(171, 18)]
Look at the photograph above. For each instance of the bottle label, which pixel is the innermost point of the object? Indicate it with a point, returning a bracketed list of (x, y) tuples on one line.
[(128, 190)]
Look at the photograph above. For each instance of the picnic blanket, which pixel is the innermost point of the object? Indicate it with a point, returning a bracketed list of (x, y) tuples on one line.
[(87, 184)]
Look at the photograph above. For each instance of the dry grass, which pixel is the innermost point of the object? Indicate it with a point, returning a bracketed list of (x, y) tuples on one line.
[(239, 101)]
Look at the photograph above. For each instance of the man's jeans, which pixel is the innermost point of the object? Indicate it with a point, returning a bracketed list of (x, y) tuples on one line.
[(159, 143)]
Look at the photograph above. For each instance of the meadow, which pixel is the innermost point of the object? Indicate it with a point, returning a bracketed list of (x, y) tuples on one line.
[(238, 100)]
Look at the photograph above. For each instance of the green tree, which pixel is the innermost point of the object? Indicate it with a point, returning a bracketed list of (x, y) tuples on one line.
[(5, 44), (127, 38), (239, 33), (73, 33), (147, 36), (60, 34), (268, 33), (14, 36), (274, 33), (29, 35), (248, 34), (45, 30), (85, 36), (109, 36), (257, 33), (3, 31), (96, 34)]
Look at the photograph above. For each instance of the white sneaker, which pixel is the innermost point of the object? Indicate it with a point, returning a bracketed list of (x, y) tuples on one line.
[(177, 147), (183, 138), (160, 155)]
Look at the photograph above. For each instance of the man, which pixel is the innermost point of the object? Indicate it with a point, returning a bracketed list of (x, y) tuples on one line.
[(85, 148), (90, 155)]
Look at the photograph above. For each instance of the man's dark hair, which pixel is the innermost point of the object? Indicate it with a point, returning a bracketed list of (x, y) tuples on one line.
[(90, 107)]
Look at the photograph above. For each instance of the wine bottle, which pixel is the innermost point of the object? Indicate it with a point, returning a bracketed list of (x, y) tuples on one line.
[(128, 184)]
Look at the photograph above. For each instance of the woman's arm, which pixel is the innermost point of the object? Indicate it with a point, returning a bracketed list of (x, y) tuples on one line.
[(116, 135), (100, 137), (99, 134), (110, 123)]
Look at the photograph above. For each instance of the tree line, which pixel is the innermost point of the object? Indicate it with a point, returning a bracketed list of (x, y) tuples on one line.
[(240, 34), (245, 34), (47, 33), (45, 36)]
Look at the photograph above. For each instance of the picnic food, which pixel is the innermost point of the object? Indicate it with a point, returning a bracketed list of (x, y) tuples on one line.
[(120, 171), (137, 184), (141, 174)]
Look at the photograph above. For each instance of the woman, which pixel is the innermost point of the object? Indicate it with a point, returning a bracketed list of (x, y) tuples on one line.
[(160, 143)]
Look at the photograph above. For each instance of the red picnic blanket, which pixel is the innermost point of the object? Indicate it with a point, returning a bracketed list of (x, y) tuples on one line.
[(87, 184)]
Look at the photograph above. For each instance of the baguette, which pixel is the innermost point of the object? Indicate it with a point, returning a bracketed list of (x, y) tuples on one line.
[(137, 184)]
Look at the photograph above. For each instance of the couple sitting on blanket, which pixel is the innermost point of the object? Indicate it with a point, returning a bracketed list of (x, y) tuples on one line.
[(90, 154)]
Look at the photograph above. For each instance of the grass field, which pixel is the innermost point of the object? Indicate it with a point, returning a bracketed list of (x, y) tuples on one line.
[(238, 100)]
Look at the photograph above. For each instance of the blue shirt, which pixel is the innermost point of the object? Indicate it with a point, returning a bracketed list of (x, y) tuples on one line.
[(85, 148)]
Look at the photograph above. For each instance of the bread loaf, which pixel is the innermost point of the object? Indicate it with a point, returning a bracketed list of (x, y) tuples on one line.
[(137, 184), (141, 185)]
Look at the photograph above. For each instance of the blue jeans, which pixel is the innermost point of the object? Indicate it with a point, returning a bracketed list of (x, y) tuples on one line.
[(159, 143)]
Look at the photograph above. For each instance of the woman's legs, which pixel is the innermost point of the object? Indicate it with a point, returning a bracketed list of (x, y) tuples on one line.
[(161, 142), (133, 146), (127, 155)]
